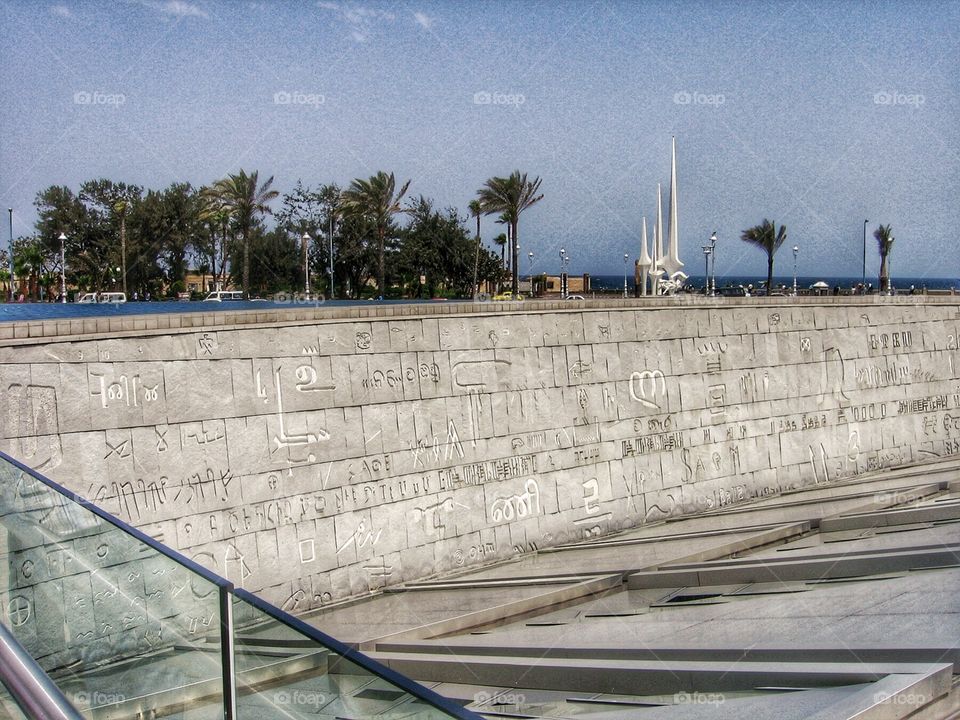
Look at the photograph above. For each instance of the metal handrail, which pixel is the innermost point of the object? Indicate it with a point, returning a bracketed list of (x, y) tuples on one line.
[(227, 636), (30, 686)]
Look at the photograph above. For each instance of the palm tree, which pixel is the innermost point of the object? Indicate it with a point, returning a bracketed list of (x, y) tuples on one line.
[(769, 238), (243, 199), (510, 196), (884, 245), (501, 240), (377, 200), (476, 211)]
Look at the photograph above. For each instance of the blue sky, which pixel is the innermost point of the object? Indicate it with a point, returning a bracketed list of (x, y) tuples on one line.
[(817, 115)]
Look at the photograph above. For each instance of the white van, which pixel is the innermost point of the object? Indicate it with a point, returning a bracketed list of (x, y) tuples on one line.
[(105, 297), (224, 296)]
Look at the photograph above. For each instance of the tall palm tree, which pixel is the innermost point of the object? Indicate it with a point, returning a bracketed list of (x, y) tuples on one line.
[(884, 245), (501, 240), (476, 211), (377, 200), (510, 196), (244, 199), (768, 237)]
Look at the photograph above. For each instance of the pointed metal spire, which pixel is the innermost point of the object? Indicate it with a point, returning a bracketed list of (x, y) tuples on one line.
[(656, 268), (672, 263), (644, 262)]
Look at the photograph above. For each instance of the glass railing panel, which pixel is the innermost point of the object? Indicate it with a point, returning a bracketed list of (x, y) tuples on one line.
[(285, 672), (9, 710), (119, 626)]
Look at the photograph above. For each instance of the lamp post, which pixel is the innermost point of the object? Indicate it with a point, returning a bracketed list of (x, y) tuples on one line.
[(625, 258), (713, 262), (863, 282), (795, 251), (10, 211), (707, 251), (63, 269), (530, 272), (306, 263), (890, 268), (564, 261), (330, 237)]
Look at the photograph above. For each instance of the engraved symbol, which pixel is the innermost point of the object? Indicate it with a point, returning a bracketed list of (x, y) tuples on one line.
[(283, 439), (161, 439), (206, 344), (647, 383), (27, 569), (121, 450), (474, 370), (774, 319), (102, 550), (18, 610), (307, 551), (493, 337), (364, 340), (805, 344), (306, 379)]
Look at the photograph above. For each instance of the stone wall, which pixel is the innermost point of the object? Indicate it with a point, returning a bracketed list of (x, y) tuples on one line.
[(315, 460)]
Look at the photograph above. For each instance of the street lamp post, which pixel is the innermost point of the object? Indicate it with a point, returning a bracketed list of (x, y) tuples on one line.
[(306, 263), (63, 269), (625, 258), (795, 251), (330, 236), (564, 261), (713, 262), (707, 252), (863, 283), (890, 268), (530, 257)]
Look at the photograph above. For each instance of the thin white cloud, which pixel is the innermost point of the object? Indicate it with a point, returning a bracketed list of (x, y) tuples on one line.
[(61, 11), (424, 20), (181, 9), (360, 22)]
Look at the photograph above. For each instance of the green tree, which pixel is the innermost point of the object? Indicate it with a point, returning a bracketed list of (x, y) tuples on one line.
[(510, 196), (377, 200), (112, 202), (768, 237), (884, 246), (245, 199)]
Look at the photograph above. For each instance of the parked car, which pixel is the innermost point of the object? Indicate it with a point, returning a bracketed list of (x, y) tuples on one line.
[(104, 297), (574, 297), (224, 296), (733, 291)]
